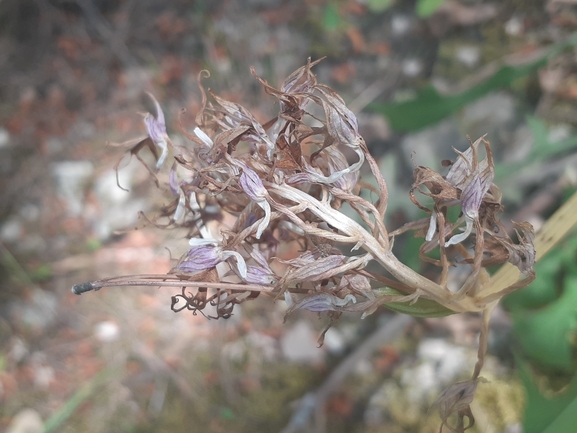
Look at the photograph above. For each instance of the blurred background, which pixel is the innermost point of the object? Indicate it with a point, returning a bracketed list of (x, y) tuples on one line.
[(421, 76)]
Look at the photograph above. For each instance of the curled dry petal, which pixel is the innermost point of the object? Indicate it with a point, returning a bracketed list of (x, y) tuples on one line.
[(342, 124), (358, 284), (240, 263), (203, 137), (236, 115), (156, 128), (252, 185), (456, 400), (474, 178), (336, 169), (523, 254)]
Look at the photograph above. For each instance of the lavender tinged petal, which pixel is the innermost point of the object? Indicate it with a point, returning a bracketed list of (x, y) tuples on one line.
[(253, 187), (173, 180), (319, 302), (251, 184), (259, 275), (199, 259), (319, 267), (156, 128), (472, 197), (157, 132)]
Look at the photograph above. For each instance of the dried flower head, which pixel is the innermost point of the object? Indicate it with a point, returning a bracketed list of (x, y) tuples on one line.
[(283, 183)]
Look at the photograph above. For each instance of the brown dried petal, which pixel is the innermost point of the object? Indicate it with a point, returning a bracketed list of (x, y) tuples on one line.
[(358, 284), (316, 270), (456, 400), (523, 254), (302, 80)]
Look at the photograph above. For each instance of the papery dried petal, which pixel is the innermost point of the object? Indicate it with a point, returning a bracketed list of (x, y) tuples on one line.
[(456, 400), (342, 124), (358, 284), (180, 207), (522, 255), (203, 137), (302, 80), (320, 302), (173, 180), (156, 128), (240, 263), (237, 115), (336, 169), (253, 187), (317, 269), (260, 275)]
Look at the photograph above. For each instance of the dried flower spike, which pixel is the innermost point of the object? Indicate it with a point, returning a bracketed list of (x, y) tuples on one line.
[(281, 185)]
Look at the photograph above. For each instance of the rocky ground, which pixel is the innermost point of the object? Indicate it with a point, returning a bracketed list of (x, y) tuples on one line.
[(74, 76)]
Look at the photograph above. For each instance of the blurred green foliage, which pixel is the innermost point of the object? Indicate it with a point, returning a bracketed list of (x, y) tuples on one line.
[(546, 412), (545, 329), (429, 106), (426, 8)]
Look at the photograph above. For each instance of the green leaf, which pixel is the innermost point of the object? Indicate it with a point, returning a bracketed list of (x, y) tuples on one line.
[(424, 308), (547, 285), (426, 8), (379, 5), (547, 336), (42, 273), (548, 414), (84, 392), (331, 18), (542, 149), (430, 106)]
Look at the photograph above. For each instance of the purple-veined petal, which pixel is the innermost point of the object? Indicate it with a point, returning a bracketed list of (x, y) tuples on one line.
[(156, 128), (173, 180), (260, 275), (323, 301), (251, 184), (200, 258)]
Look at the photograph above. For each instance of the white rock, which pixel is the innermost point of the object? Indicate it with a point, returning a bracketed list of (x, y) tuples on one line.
[(26, 421), (299, 344), (106, 331), (71, 178), (469, 56), (4, 137)]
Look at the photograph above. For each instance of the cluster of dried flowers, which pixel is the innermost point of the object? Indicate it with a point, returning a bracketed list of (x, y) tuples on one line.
[(283, 183)]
